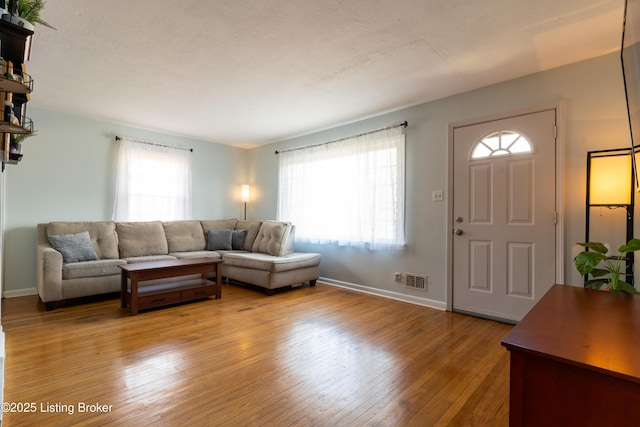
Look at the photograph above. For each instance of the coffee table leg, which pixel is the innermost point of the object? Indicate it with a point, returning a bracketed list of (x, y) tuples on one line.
[(123, 289), (219, 280), (133, 304)]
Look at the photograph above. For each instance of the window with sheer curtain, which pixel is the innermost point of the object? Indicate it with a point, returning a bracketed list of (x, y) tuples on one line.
[(348, 192), (153, 182)]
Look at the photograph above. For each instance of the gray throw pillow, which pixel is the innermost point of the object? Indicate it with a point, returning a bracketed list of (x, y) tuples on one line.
[(219, 240), (74, 247), (237, 239)]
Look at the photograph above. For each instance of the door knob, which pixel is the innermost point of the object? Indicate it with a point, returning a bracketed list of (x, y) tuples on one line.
[(458, 232)]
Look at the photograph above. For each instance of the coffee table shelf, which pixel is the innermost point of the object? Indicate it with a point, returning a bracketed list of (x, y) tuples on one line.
[(138, 297)]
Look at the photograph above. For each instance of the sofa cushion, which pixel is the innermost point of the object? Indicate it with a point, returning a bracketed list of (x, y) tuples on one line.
[(136, 239), (272, 238), (260, 261), (219, 240), (74, 247), (149, 258), (218, 224), (195, 254), (252, 228), (184, 236), (102, 233), (101, 267)]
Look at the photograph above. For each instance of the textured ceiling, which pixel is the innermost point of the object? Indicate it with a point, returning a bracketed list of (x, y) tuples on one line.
[(250, 72)]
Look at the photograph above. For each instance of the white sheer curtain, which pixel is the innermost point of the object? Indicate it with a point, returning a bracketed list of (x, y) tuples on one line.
[(153, 182), (349, 192)]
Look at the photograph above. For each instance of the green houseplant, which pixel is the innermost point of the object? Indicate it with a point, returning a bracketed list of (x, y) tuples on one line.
[(29, 10), (606, 272), (17, 139)]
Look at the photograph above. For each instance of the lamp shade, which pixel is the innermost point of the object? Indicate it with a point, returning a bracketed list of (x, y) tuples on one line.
[(610, 180), (245, 193)]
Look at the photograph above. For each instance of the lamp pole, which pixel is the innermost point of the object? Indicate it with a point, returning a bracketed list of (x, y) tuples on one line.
[(245, 194)]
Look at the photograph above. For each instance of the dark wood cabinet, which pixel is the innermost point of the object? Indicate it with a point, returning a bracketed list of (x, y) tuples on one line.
[(575, 360)]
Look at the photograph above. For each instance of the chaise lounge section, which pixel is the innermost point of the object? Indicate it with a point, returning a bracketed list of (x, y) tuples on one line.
[(78, 259)]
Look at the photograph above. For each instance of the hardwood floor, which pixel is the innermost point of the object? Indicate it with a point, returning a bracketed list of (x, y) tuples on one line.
[(320, 356)]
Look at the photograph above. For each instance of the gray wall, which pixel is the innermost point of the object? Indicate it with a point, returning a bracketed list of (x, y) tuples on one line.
[(68, 174), (596, 119)]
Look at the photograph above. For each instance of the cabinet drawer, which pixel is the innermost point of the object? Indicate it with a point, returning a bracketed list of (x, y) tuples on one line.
[(202, 292), (159, 299)]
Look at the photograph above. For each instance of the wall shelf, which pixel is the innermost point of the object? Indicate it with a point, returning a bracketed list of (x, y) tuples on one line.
[(25, 127), (16, 86)]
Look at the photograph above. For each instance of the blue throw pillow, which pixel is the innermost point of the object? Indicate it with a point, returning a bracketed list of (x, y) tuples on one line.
[(219, 240), (237, 239), (74, 247)]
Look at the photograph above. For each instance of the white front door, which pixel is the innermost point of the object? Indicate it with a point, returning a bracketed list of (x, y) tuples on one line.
[(504, 214)]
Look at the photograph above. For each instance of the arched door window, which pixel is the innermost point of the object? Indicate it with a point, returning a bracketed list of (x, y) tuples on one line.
[(501, 143)]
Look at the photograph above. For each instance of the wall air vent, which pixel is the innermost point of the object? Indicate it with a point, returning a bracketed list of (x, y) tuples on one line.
[(416, 281)]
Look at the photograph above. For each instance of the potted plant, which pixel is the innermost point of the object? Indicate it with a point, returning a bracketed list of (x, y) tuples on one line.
[(15, 144), (29, 10), (606, 271), (24, 13)]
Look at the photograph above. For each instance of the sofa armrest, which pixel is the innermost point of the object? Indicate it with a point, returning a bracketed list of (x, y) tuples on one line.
[(49, 273)]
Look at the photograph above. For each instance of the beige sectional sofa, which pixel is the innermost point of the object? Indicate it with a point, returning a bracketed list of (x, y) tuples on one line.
[(77, 259)]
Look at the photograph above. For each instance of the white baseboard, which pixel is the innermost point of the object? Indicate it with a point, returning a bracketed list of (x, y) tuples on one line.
[(20, 293), (412, 299)]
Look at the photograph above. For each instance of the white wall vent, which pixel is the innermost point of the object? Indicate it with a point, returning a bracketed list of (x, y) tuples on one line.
[(416, 281)]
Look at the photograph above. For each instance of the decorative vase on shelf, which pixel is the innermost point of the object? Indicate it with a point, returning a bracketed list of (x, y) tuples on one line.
[(9, 10), (15, 147), (23, 13), (20, 22)]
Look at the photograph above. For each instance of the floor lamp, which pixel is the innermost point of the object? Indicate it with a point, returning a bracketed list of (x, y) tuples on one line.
[(610, 182), (245, 194)]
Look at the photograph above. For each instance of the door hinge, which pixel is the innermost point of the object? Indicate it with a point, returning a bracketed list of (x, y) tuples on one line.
[(555, 131), (555, 218)]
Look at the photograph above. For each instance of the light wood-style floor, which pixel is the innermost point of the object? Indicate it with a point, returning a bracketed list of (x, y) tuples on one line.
[(321, 356)]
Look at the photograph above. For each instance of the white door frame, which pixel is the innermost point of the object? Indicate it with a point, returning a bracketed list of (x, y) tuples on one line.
[(559, 107)]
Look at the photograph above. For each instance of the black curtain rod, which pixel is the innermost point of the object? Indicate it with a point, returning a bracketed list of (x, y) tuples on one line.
[(395, 125), (118, 138)]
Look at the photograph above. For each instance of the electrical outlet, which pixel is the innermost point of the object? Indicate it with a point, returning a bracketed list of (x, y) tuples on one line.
[(437, 196), (397, 277)]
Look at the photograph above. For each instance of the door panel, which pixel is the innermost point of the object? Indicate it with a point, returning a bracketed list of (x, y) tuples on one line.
[(481, 194), (521, 192), (504, 206), (481, 265), (520, 269)]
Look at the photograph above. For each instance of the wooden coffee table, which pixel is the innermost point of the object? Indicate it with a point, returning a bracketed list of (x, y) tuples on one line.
[(156, 295)]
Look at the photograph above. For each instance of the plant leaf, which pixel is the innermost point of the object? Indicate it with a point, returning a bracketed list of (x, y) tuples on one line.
[(587, 261), (30, 11), (632, 246), (625, 287), (599, 272), (595, 246)]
